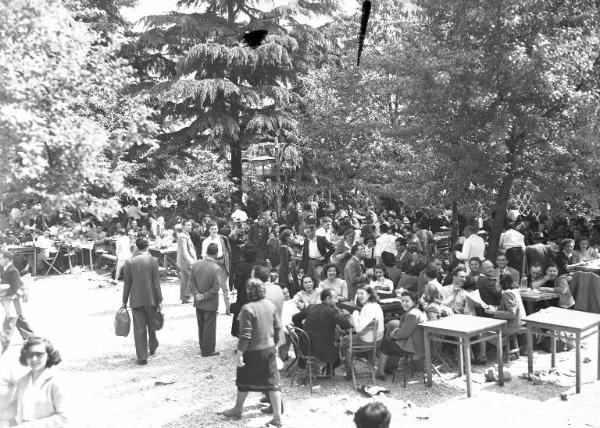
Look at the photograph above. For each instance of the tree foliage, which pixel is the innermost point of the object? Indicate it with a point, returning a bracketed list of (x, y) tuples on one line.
[(215, 93)]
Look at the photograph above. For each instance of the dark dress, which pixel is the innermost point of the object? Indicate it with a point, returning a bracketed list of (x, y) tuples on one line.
[(562, 261), (241, 274), (288, 272)]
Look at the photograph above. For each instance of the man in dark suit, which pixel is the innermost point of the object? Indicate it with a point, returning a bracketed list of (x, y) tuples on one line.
[(315, 251), (319, 322), (11, 293), (205, 281), (353, 270), (142, 289)]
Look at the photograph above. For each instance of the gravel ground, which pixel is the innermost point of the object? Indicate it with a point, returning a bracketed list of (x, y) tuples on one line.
[(107, 388)]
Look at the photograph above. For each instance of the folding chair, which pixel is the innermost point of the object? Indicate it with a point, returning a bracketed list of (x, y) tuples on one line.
[(370, 349), (51, 261)]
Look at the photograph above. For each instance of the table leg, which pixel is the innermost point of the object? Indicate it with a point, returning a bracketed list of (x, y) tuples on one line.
[(598, 372), (91, 261), (467, 352), (166, 262), (553, 350), (578, 362), (461, 358), (427, 358), (500, 359), (34, 261), (529, 350)]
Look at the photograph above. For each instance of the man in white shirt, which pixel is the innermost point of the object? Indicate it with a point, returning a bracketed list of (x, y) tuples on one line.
[(474, 246), (325, 229), (455, 297), (513, 243), (386, 242), (238, 215), (123, 247)]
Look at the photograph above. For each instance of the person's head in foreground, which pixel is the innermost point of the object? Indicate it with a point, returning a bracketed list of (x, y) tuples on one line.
[(255, 290), (38, 354), (373, 415), (328, 297)]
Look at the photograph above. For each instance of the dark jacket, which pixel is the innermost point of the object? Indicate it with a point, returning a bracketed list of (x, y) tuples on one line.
[(489, 290), (407, 334), (319, 323), (259, 235), (205, 279), (325, 247), (12, 277), (352, 272), (288, 272), (241, 274), (142, 282)]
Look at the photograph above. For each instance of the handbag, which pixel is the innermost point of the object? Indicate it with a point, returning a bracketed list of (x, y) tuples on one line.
[(122, 322), (157, 320)]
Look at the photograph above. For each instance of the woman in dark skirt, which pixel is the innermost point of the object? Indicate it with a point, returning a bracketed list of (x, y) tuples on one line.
[(241, 275), (256, 352)]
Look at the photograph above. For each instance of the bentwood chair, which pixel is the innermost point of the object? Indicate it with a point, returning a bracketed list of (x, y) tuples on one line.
[(298, 338), (370, 351)]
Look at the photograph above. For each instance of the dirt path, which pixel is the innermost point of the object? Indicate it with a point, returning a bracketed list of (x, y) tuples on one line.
[(108, 389)]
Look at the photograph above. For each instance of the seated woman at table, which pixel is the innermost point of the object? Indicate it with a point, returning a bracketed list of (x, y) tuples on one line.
[(584, 252), (404, 335), (333, 282), (380, 283), (510, 309), (309, 295), (535, 274), (565, 259), (561, 286), (547, 280), (432, 299), (371, 311)]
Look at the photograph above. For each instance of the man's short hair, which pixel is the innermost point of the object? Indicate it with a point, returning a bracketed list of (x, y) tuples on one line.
[(458, 269), (141, 243), (325, 294), (326, 220), (475, 259), (431, 272), (212, 249), (388, 259), (262, 272), (383, 228), (402, 241), (211, 224), (373, 415)]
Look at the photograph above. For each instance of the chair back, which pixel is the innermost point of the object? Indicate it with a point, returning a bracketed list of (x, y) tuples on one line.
[(371, 327), (299, 336)]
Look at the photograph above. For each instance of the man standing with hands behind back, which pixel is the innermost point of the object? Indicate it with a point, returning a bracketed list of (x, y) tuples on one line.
[(142, 289), (205, 281)]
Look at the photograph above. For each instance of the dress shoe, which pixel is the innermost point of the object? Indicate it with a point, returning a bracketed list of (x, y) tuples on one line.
[(212, 354), (142, 362)]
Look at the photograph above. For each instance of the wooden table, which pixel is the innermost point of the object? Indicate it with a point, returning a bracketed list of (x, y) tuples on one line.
[(167, 255), (530, 297), (464, 331), (25, 249), (550, 322), (390, 309)]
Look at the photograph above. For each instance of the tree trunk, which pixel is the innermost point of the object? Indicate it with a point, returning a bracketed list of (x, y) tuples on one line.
[(455, 233), (235, 147), (499, 216)]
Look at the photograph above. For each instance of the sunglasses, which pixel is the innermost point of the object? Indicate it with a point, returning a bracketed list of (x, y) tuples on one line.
[(35, 354)]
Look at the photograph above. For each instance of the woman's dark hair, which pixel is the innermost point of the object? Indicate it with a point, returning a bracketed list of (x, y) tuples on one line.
[(470, 283), (381, 267), (250, 252), (355, 248), (285, 235), (373, 415), (329, 266), (142, 243), (412, 295), (53, 355), (578, 244), (458, 269), (313, 280), (255, 290), (373, 297), (431, 272), (551, 264), (506, 282), (325, 294)]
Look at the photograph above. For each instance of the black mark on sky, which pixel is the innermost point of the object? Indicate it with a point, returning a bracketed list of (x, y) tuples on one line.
[(364, 20), (254, 38)]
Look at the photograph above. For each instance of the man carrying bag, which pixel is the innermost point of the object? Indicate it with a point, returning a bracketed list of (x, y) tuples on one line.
[(142, 289)]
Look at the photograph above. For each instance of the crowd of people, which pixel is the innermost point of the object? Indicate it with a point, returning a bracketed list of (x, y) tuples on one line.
[(293, 269)]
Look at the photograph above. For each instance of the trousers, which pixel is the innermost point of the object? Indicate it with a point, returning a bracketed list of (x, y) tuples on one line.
[(184, 283), (143, 333), (207, 330)]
